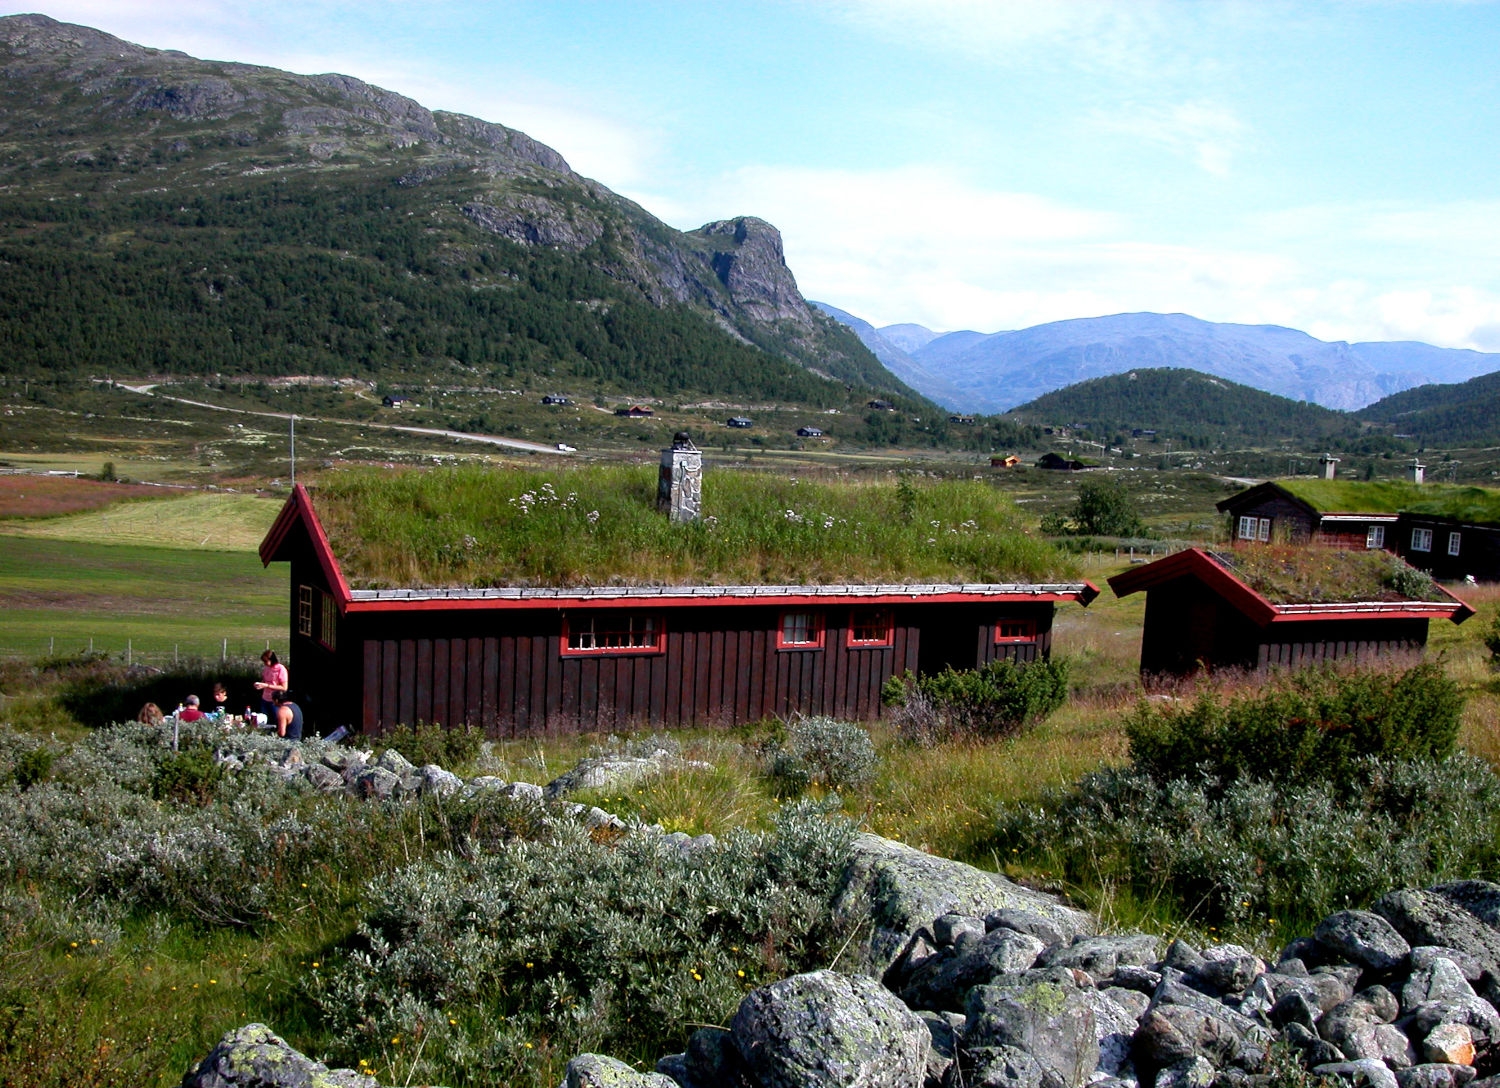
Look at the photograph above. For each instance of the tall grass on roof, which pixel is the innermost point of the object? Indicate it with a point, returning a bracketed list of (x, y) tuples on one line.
[(1289, 574), (1474, 505), (597, 526)]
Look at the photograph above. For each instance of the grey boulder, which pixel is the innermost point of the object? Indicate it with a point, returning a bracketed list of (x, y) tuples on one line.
[(598, 1071), (829, 1029), (942, 983), (1053, 1023), (1100, 957), (256, 1057), (437, 782), (1365, 1073), (1363, 937)]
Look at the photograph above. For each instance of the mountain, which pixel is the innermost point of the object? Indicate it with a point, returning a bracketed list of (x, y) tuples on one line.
[(1466, 414), (895, 357), (996, 371), (162, 214), (1198, 408), (908, 337)]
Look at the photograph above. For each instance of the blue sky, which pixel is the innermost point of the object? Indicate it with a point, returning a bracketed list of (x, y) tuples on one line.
[(1334, 167)]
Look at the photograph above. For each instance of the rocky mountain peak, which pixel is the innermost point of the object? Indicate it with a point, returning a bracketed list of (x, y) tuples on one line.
[(749, 260)]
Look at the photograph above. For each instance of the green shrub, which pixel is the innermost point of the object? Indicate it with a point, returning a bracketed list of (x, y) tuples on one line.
[(577, 945), (1309, 725), (34, 766), (424, 743), (823, 751), (997, 700), (1250, 851), (189, 777), (1492, 641)]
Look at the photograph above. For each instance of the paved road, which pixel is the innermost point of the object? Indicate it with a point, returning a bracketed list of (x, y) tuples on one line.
[(511, 443)]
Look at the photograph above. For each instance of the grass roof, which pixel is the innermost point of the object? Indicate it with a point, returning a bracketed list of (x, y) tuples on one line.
[(1476, 505), (1291, 574), (599, 526)]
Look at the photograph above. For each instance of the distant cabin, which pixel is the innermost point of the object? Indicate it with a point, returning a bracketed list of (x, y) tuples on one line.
[(1059, 463), (882, 405), (527, 660), (1202, 615), (635, 411), (1010, 461), (394, 400), (553, 398), (739, 421), (1142, 432), (809, 432), (965, 421), (1451, 533)]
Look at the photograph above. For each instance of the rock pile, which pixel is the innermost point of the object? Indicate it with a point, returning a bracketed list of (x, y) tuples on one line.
[(1023, 994)]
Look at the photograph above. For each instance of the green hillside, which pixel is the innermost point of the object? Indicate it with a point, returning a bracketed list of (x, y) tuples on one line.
[(1190, 407), (1465, 414), (160, 214)]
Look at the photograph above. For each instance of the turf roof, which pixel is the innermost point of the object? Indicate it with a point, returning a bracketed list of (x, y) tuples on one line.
[(599, 526), (1292, 574), (1476, 505)]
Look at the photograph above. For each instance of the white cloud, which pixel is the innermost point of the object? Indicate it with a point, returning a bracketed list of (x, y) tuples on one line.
[(919, 244), (1207, 133)]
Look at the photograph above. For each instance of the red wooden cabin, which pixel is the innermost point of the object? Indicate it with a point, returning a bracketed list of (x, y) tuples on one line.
[(518, 661)]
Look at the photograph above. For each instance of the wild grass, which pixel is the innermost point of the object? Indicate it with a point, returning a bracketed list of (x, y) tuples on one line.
[(600, 525), (1293, 574), (209, 521), (53, 496)]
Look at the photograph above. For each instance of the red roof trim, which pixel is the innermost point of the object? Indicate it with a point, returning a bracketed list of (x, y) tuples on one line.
[(1199, 564), (439, 604), (299, 508)]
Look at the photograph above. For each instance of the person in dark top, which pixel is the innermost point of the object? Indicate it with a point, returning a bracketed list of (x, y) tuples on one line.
[(288, 717), (221, 700)]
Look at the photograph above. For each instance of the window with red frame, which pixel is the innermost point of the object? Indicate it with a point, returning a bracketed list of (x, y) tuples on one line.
[(613, 633), (1015, 631), (871, 627), (800, 631)]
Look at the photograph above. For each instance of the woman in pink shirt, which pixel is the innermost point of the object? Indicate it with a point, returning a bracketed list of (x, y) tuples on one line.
[(273, 678)]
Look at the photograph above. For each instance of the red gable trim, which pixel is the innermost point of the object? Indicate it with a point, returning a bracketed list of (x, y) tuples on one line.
[(1199, 564), (299, 510)]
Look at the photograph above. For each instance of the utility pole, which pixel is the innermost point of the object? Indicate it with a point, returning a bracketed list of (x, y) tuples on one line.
[(294, 450)]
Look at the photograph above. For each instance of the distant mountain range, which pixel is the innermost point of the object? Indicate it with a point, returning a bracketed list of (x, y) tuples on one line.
[(979, 372)]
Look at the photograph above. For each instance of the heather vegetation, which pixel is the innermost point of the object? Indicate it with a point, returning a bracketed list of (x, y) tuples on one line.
[(600, 525), (1288, 574)]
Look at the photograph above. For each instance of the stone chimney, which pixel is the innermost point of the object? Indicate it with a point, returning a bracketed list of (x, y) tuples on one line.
[(679, 486), (1418, 472), (1330, 466)]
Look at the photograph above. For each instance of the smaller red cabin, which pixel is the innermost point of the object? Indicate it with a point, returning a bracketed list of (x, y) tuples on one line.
[(1204, 614)]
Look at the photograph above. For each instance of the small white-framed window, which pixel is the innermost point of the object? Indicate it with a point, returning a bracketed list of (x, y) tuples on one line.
[(305, 611), (1254, 529), (1421, 540), (1375, 536), (1453, 543)]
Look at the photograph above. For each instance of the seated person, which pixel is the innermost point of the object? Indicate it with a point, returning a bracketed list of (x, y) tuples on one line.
[(190, 712), (150, 715), (288, 717), (221, 700)]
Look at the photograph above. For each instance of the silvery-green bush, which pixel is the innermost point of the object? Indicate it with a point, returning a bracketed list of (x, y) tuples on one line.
[(1253, 848), (826, 752), (577, 944)]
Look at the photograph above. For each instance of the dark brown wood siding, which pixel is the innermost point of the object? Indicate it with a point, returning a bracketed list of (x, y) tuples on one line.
[(1189, 627), (720, 666)]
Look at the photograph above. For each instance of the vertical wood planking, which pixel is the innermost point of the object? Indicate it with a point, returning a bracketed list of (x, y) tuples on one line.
[(505, 684), (440, 682), (713, 704), (702, 675), (390, 690), (473, 682), (649, 689), (551, 659), (369, 717), (671, 679), (489, 687), (406, 692), (422, 707), (521, 719), (538, 649)]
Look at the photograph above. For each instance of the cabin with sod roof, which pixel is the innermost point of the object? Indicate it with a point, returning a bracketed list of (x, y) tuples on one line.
[(1265, 607), (509, 602)]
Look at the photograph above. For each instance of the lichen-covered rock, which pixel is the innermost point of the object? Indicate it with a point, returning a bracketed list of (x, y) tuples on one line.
[(598, 1071), (1480, 898), (1115, 1022), (948, 928), (942, 1052), (1001, 1067), (1229, 968), (902, 890), (942, 983), (393, 761), (826, 1028), (256, 1057), (1363, 937), (1437, 979), (609, 772), (1450, 1044), (437, 782), (1435, 1075), (710, 1061), (1477, 1013), (1169, 1034), (323, 779), (1099, 957), (377, 784), (1195, 1072), (1365, 1073), (1427, 918), (1053, 1023)]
